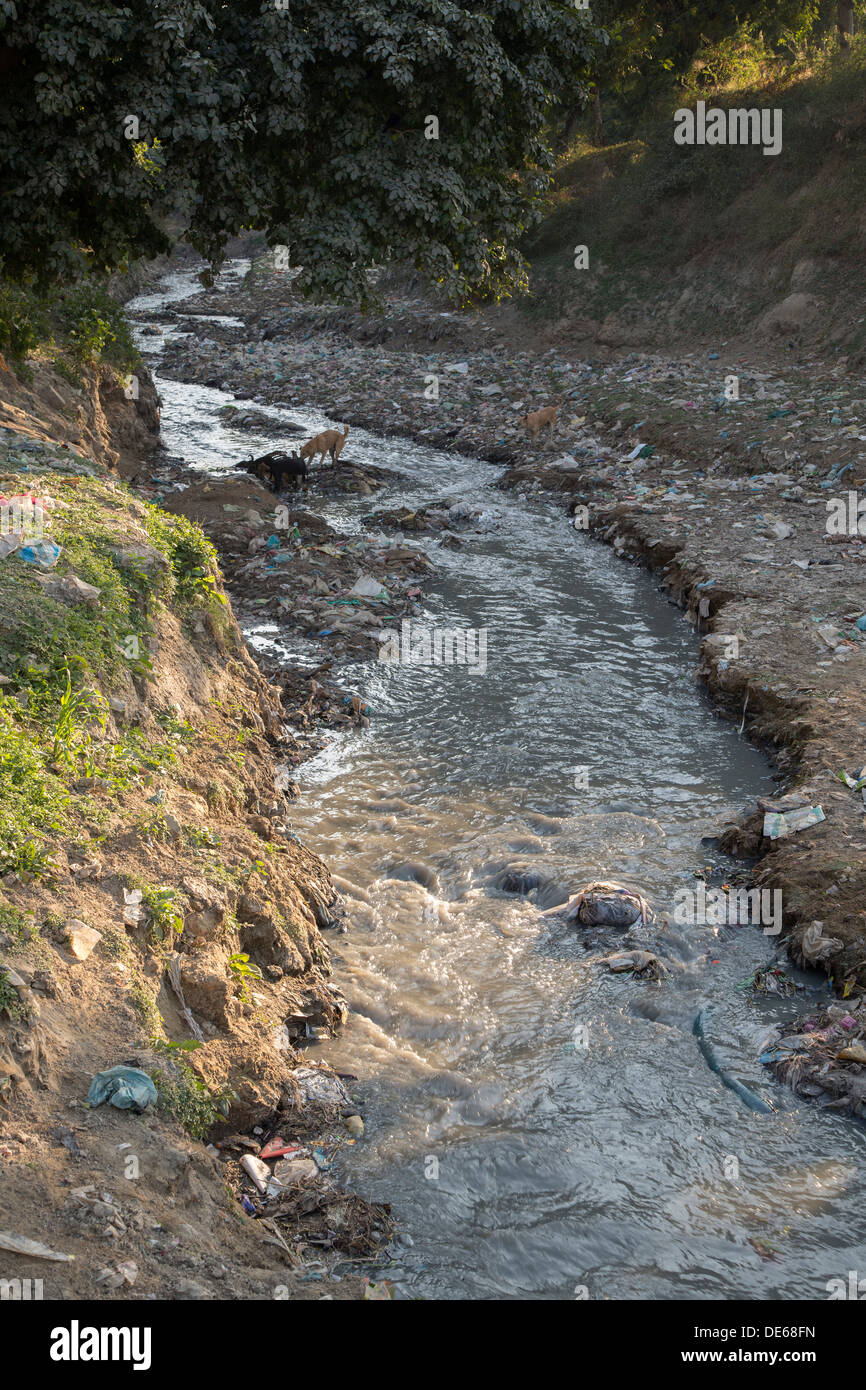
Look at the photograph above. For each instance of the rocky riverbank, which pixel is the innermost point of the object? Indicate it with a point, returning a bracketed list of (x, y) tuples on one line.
[(724, 476)]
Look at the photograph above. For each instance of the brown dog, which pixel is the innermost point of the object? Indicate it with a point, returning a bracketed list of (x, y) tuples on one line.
[(535, 421), (328, 442)]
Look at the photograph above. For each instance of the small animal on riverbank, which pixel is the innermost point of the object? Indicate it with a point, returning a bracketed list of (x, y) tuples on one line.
[(328, 442), (535, 421), (272, 468)]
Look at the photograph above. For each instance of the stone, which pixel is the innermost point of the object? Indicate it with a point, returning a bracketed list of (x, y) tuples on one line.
[(138, 555), (72, 590), (790, 316), (81, 939)]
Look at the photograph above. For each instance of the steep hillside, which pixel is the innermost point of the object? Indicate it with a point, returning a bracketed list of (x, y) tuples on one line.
[(692, 246)]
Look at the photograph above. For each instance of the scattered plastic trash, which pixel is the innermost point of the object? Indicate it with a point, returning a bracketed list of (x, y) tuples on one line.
[(23, 1245), (132, 906), (126, 1088), (124, 1273), (771, 980), (823, 1057), (754, 1102), (368, 587), (816, 946), (316, 1085), (638, 963), (779, 824), (45, 553), (257, 1171), (382, 1291), (288, 1172), (278, 1148)]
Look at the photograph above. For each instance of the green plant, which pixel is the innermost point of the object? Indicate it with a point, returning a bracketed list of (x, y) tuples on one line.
[(72, 738), (192, 556), (145, 1007), (184, 1095), (32, 798), (23, 321), (243, 972), (152, 824), (11, 1002), (270, 123), (95, 326), (200, 837), (16, 923), (165, 906)]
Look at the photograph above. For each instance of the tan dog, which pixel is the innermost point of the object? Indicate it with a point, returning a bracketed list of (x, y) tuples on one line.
[(537, 419), (328, 442)]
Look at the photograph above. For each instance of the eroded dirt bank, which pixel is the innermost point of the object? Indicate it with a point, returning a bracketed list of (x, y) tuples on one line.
[(720, 475), (155, 910)]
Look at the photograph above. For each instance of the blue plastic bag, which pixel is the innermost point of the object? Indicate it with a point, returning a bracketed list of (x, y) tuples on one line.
[(126, 1087)]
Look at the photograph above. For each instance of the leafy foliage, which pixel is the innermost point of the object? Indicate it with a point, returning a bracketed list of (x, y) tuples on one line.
[(306, 121)]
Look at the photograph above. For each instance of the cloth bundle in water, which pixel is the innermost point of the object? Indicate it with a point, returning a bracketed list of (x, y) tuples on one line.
[(603, 904)]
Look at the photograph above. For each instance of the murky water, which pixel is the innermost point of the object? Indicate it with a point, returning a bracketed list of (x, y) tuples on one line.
[(521, 1163)]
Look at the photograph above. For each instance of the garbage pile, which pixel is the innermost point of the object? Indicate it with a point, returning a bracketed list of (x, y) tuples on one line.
[(823, 1056), (281, 1174), (288, 566)]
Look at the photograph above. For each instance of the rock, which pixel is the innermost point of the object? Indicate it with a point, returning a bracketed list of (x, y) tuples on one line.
[(207, 988), (72, 590), (791, 316), (804, 273), (261, 826), (139, 555), (81, 939), (50, 396), (355, 1125), (189, 1289)]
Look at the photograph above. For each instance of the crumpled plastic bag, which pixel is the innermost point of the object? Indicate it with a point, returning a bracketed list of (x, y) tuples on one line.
[(125, 1087), (816, 946)]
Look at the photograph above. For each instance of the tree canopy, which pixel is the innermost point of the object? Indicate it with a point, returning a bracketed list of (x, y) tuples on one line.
[(307, 119)]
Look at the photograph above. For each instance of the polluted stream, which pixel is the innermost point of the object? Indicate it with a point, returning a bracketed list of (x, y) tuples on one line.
[(542, 1127)]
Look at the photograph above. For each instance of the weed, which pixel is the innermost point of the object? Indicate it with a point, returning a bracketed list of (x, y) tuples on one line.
[(145, 1007), (165, 906), (32, 801), (184, 1095), (11, 1003), (200, 837), (16, 923), (71, 734), (243, 972), (152, 824)]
